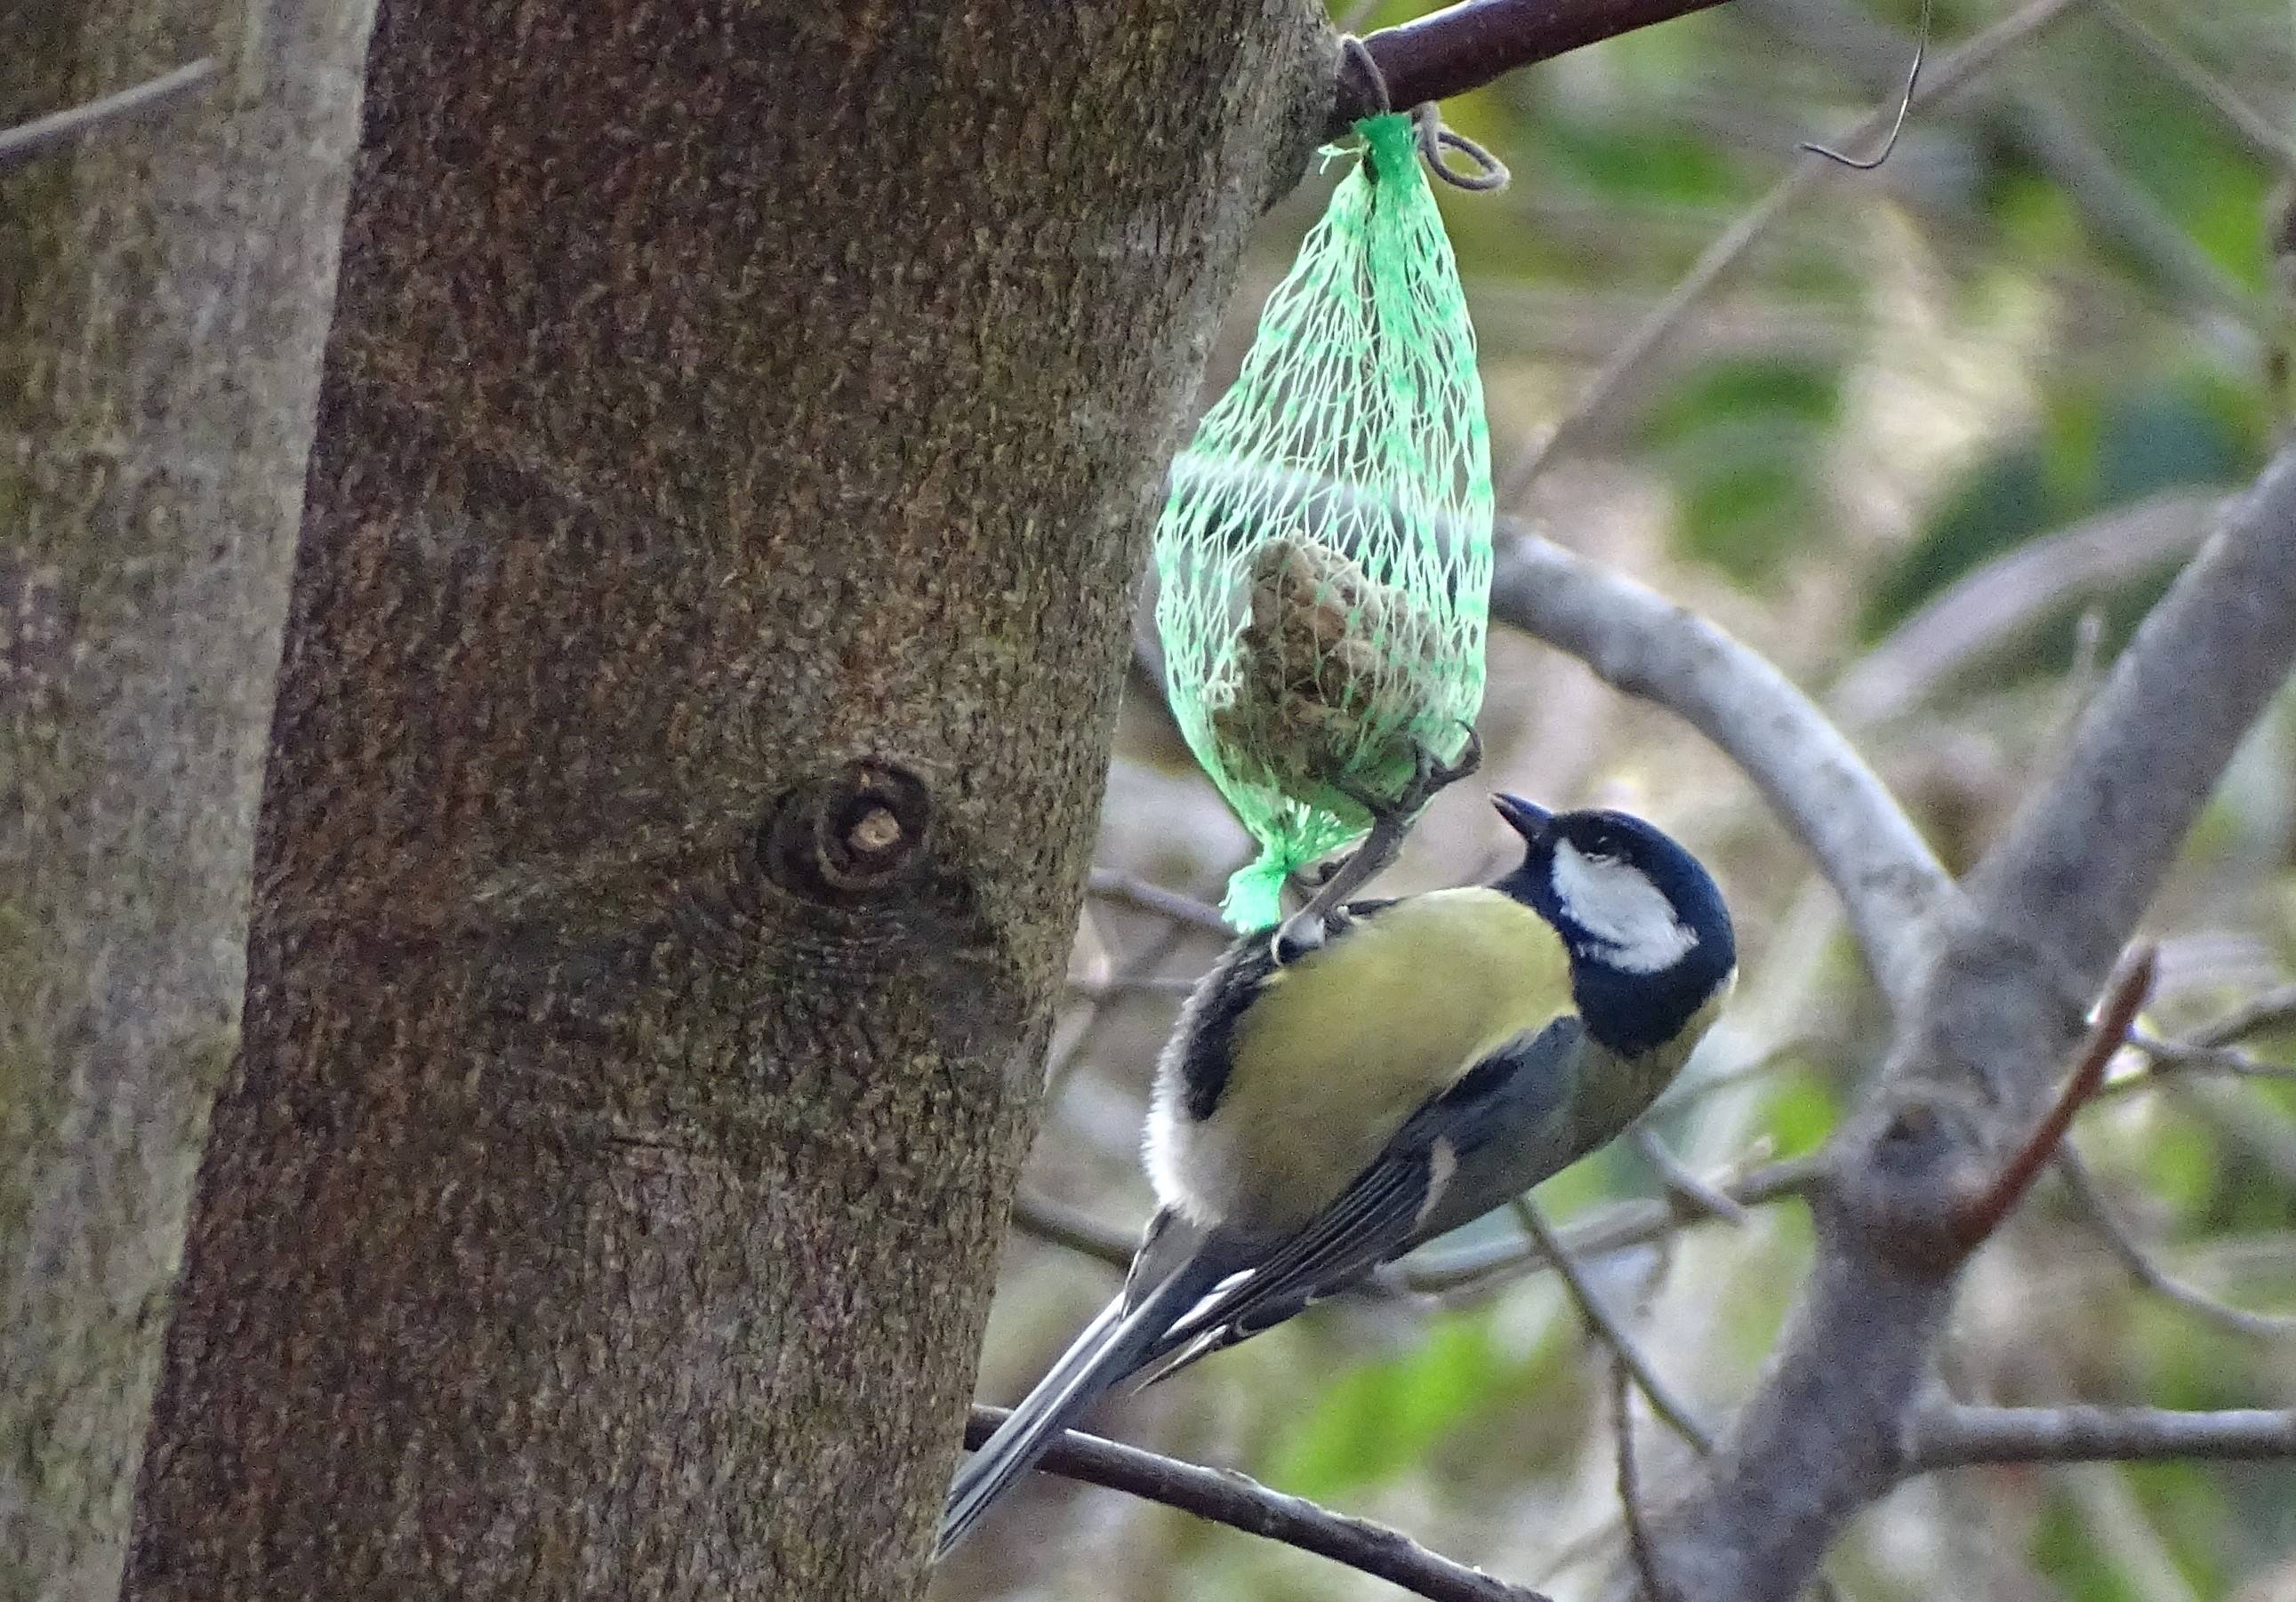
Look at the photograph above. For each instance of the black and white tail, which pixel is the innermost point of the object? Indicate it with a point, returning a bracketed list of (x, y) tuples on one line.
[(1112, 1346)]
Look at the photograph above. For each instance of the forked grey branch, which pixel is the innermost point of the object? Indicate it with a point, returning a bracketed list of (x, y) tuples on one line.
[(2046, 913)]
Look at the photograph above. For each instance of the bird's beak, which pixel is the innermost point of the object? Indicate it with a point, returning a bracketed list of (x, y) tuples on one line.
[(1526, 818)]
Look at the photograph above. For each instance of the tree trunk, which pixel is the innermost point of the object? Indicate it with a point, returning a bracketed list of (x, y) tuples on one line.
[(741, 434), (164, 283)]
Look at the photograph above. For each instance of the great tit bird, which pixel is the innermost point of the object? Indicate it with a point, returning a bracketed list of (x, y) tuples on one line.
[(1436, 1056)]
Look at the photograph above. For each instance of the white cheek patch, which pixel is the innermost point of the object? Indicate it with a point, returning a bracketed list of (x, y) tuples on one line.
[(1619, 906)]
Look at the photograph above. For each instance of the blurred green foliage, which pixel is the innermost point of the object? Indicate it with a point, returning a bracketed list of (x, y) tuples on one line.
[(1386, 1416), (2093, 449), (1744, 440)]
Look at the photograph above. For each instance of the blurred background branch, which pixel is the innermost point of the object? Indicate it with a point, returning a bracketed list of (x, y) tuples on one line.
[(1954, 1436), (1665, 319), (31, 137)]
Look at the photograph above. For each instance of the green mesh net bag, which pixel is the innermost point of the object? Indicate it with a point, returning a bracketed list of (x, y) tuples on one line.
[(1324, 560)]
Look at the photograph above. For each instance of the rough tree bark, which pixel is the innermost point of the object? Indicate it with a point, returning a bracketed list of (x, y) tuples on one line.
[(740, 434), (165, 281)]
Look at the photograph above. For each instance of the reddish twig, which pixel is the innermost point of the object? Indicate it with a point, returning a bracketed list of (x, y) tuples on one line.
[(1467, 45), (2124, 998)]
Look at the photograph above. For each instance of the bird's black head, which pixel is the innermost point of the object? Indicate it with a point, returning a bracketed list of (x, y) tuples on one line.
[(1649, 938)]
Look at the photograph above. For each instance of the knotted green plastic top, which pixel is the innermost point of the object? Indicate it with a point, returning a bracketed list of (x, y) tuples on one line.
[(1324, 556)]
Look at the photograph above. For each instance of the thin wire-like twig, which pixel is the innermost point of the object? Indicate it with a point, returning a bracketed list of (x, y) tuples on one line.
[(2090, 1197), (1474, 1271), (1605, 1326), (2273, 1009), (29, 139), (2214, 1048), (1866, 164), (2171, 1055), (1664, 318), (1100, 1010), (1244, 1504)]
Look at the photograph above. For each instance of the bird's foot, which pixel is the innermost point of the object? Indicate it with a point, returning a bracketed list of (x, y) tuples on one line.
[(1326, 913)]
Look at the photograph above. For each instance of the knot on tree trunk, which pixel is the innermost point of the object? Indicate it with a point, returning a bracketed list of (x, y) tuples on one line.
[(858, 834), (1920, 1153), (849, 871)]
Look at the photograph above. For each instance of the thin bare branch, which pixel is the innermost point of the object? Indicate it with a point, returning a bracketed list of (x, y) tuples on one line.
[(1128, 889), (1658, 325), (2090, 1197), (2274, 1009), (2176, 1056), (1630, 1495), (1985, 608), (1594, 396), (1469, 1270), (1244, 1504), (1135, 985), (2260, 131), (1099, 1012), (2121, 212), (1638, 640), (1953, 1435), (1476, 42), (2212, 1048), (1684, 1182), (30, 139), (1605, 1326), (1982, 1213), (1056, 1223)]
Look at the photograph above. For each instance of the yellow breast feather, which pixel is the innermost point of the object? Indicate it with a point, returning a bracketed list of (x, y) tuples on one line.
[(1353, 1038)]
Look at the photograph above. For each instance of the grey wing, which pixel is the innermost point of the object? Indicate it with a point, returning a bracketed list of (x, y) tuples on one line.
[(1523, 1133), (1490, 1135)]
